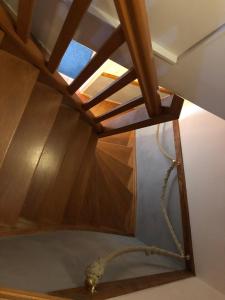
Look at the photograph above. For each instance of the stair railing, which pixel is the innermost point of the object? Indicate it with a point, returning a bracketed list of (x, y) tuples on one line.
[(143, 111)]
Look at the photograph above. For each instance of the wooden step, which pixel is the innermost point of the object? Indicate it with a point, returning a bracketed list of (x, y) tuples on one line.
[(76, 204), (63, 183), (119, 197), (17, 79), (121, 171), (25, 150), (121, 139), (117, 151), (40, 202)]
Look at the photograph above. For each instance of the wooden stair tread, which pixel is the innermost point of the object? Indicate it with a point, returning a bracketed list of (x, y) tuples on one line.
[(121, 139), (17, 79), (76, 202), (40, 202), (120, 196), (25, 149), (120, 170), (68, 171), (119, 152)]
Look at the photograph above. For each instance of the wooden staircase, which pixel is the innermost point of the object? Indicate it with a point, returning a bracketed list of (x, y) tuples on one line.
[(55, 173)]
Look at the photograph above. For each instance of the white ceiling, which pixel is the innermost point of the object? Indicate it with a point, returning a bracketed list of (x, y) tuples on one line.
[(178, 24)]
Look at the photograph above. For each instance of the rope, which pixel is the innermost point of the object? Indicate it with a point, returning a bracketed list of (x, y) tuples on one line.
[(164, 190), (95, 271)]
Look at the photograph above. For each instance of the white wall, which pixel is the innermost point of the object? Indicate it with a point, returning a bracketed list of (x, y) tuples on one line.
[(188, 289), (203, 144)]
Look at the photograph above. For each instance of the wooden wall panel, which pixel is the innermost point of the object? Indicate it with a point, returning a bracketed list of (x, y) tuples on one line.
[(25, 149), (17, 79), (39, 204)]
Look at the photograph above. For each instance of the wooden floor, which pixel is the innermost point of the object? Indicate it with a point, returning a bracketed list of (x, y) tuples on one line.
[(54, 172)]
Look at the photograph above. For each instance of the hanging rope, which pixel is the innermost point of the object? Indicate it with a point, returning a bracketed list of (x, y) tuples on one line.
[(95, 271), (164, 192)]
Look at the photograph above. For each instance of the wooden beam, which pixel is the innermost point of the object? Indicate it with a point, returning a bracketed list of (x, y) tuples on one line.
[(115, 86), (121, 287), (176, 106), (139, 118), (134, 20), (112, 43), (132, 120), (76, 12), (120, 109), (183, 199), (24, 18)]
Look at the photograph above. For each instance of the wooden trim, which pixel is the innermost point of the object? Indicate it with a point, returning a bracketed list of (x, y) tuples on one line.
[(24, 18), (120, 109), (120, 82), (138, 118), (132, 121), (12, 294), (76, 12), (183, 199), (134, 21), (176, 106), (122, 287), (115, 40), (34, 55)]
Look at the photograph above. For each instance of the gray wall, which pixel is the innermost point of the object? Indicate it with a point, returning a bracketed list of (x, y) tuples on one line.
[(151, 167)]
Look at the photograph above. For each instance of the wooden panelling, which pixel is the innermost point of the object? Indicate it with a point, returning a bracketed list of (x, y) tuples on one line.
[(134, 21), (24, 18), (17, 79), (121, 82), (40, 201), (76, 12), (120, 109), (25, 149), (112, 43)]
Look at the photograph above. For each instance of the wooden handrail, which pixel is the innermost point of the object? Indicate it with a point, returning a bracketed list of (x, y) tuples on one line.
[(120, 109), (112, 43), (76, 12), (24, 18), (138, 118), (134, 21), (115, 86)]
